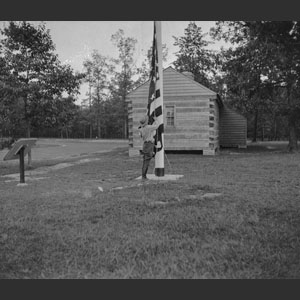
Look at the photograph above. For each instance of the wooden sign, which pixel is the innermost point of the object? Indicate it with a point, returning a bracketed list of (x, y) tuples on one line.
[(26, 144), (18, 151)]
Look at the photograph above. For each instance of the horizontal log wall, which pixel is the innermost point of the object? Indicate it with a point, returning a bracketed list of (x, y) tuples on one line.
[(233, 126), (192, 130), (214, 125)]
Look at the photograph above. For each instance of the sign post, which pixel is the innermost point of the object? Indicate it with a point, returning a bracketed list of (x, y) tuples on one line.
[(18, 151), (22, 167)]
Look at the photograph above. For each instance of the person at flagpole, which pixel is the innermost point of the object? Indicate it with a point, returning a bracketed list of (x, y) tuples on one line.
[(147, 133)]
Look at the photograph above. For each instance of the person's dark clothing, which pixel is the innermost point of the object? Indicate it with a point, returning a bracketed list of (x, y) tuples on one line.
[(148, 148), (147, 133)]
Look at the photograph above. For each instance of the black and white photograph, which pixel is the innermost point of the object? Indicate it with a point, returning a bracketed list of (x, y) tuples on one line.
[(152, 149)]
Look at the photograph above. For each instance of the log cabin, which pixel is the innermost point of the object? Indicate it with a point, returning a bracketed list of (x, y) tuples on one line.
[(195, 118)]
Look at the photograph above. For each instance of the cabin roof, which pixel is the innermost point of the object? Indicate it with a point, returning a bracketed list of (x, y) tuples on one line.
[(174, 84)]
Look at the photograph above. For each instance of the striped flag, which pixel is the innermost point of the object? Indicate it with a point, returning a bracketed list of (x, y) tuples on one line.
[(155, 102)]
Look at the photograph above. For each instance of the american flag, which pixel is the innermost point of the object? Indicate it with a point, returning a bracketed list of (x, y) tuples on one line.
[(154, 107)]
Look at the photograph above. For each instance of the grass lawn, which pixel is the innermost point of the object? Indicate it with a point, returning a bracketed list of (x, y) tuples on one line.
[(63, 226)]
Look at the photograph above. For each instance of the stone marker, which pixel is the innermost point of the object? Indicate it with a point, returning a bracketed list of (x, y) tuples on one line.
[(211, 195)]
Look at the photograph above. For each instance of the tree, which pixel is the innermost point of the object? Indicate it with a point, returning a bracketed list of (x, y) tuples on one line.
[(247, 92), (145, 68), (10, 106), (280, 45), (36, 76), (123, 82), (273, 48), (81, 121), (89, 79), (97, 71), (193, 56), (67, 112)]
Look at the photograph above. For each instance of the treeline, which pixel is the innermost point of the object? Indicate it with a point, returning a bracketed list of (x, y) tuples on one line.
[(38, 92), (258, 75), (261, 75)]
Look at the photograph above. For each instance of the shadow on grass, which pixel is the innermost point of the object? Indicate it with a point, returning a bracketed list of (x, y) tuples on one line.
[(259, 147)]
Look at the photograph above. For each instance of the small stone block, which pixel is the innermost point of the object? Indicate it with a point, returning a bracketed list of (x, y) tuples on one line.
[(211, 195)]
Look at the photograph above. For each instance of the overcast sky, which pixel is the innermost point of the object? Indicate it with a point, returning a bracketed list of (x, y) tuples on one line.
[(75, 40)]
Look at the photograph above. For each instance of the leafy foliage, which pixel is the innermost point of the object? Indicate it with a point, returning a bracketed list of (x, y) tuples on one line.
[(193, 55), (123, 76), (97, 70), (262, 71), (144, 70), (33, 78)]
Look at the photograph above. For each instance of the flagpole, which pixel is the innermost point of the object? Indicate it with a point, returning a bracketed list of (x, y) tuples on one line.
[(159, 157)]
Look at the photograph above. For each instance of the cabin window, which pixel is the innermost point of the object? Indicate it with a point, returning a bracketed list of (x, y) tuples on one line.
[(170, 115)]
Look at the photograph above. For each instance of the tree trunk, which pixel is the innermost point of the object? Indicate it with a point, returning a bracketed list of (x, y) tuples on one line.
[(275, 130), (293, 145), (29, 150), (98, 126), (125, 128), (254, 139), (90, 106), (27, 120), (98, 116), (99, 131), (91, 131)]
